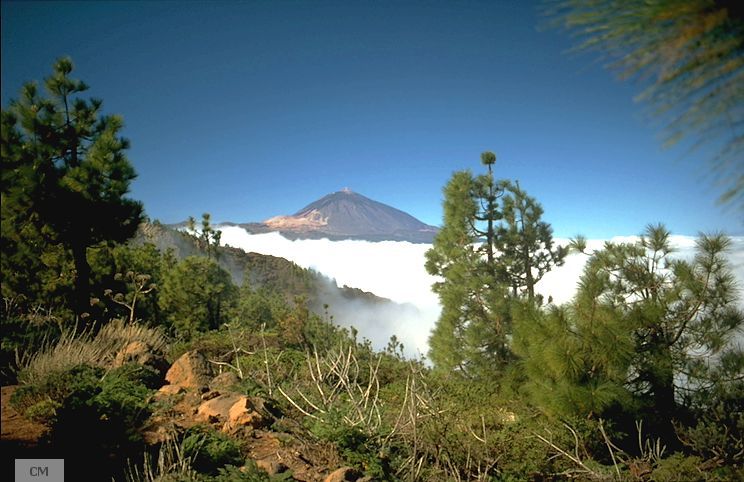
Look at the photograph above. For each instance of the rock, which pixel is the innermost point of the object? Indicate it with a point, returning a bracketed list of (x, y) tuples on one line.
[(191, 370), (271, 467), (246, 412), (141, 353), (217, 409), (344, 474), (224, 381)]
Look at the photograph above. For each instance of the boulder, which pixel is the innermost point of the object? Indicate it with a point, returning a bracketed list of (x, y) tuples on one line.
[(190, 371), (218, 408), (344, 474), (247, 412)]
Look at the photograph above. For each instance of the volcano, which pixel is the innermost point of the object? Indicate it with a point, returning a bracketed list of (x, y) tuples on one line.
[(348, 215)]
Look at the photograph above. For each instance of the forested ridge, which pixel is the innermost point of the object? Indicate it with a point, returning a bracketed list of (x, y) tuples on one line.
[(156, 354)]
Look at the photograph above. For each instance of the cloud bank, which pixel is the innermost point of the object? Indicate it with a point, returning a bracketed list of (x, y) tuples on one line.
[(395, 270)]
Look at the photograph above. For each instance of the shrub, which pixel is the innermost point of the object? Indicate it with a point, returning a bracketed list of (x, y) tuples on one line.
[(22, 335), (678, 467), (356, 447), (210, 450), (105, 410), (56, 390)]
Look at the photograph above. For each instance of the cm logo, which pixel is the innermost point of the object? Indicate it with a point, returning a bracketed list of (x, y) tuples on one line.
[(38, 471)]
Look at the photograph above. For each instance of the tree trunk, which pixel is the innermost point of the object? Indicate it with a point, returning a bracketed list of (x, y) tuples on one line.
[(662, 393), (82, 281)]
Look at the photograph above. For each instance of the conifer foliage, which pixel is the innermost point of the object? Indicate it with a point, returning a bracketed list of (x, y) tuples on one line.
[(67, 174), (643, 324), (493, 248)]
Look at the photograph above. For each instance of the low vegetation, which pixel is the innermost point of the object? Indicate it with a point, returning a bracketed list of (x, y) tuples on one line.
[(638, 378)]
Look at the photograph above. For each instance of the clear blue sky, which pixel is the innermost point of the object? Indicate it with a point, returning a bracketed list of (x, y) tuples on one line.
[(251, 109)]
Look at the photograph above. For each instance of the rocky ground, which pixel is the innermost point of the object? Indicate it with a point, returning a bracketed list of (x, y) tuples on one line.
[(194, 394)]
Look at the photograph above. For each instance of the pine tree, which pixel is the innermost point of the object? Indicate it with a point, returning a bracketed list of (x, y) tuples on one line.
[(467, 330), (575, 357), (69, 175), (682, 314), (644, 324), (197, 295), (526, 243), (492, 233)]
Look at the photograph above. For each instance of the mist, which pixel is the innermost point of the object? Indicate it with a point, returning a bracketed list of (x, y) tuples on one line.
[(395, 270)]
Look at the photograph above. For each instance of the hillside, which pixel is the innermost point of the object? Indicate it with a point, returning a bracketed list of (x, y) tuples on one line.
[(263, 270)]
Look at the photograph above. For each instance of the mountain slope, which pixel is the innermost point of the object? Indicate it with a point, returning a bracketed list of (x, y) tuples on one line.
[(262, 270), (348, 215)]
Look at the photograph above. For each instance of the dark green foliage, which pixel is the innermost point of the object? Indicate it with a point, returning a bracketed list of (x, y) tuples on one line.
[(139, 271), (123, 402), (525, 243), (645, 334), (468, 293), (65, 389), (22, 334), (197, 295), (357, 448), (493, 248), (260, 307), (69, 176), (718, 431), (102, 410), (248, 473), (576, 358), (210, 450), (144, 375)]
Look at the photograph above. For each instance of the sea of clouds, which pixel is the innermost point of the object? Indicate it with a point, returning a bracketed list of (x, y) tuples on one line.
[(395, 270)]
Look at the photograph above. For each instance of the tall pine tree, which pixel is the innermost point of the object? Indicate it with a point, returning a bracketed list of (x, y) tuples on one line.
[(491, 237), (70, 175)]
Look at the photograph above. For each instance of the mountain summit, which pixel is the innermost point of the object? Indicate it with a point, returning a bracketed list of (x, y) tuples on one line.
[(348, 215)]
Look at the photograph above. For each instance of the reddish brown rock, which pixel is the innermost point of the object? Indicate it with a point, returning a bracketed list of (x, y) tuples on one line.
[(191, 371), (245, 412), (217, 409)]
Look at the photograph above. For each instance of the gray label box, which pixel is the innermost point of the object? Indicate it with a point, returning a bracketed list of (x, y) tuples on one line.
[(39, 470)]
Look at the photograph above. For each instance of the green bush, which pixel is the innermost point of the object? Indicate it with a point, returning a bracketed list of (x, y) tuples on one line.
[(105, 410), (356, 447), (139, 374), (210, 450), (43, 412), (62, 388), (678, 467)]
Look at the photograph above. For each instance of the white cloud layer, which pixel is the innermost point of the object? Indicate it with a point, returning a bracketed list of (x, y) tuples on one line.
[(395, 270)]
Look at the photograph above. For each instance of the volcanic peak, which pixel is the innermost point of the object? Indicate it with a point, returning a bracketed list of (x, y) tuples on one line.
[(349, 215)]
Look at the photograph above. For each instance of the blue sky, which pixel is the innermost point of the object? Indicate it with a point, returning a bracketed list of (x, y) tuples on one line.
[(248, 110)]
